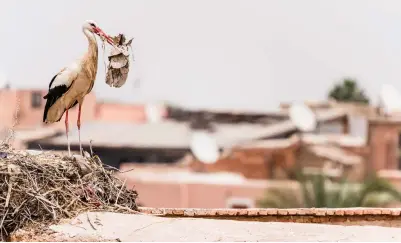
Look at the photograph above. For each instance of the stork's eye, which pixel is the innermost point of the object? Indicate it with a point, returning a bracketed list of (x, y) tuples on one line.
[(92, 24)]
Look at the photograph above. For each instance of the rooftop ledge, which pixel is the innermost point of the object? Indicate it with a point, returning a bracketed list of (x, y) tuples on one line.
[(182, 226), (299, 215)]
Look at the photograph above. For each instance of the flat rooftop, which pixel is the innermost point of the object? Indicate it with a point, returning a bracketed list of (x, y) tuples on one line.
[(104, 226)]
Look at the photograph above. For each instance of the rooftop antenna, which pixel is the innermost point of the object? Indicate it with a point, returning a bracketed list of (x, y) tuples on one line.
[(204, 147), (390, 99)]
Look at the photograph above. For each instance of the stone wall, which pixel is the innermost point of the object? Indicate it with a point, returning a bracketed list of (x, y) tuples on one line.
[(388, 217)]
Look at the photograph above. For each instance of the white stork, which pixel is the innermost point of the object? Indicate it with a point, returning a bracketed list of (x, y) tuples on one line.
[(69, 87)]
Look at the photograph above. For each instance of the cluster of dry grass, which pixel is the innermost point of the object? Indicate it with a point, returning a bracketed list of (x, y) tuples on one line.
[(45, 187)]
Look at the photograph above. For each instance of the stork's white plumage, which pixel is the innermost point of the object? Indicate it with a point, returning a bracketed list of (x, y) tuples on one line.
[(69, 87), (66, 76)]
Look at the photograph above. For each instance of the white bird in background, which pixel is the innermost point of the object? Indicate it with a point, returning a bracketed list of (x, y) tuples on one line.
[(69, 87)]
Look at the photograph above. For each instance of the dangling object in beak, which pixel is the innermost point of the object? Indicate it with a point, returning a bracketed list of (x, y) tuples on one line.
[(118, 68)]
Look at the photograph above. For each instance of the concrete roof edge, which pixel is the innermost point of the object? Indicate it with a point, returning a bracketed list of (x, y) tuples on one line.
[(226, 212)]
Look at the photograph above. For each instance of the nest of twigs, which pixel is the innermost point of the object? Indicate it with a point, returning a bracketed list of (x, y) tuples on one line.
[(44, 188)]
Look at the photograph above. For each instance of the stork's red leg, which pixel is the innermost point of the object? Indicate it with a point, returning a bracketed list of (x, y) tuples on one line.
[(66, 131), (79, 127)]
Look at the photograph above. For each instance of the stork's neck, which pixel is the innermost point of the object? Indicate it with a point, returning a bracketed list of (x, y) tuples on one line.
[(92, 49), (90, 59)]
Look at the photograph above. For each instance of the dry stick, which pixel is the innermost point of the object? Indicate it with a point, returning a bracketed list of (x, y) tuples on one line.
[(118, 195), (47, 201), (10, 185), (18, 208), (9, 173), (72, 202), (2, 220), (136, 212), (53, 190), (125, 208), (54, 214), (9, 138), (48, 210), (90, 147), (33, 182), (119, 171), (144, 227), (87, 216), (125, 171)]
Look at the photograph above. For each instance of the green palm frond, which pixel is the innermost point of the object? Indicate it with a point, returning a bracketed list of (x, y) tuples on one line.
[(280, 198), (378, 200), (318, 191), (306, 192)]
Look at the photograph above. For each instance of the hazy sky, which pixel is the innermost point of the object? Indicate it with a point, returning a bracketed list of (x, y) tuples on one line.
[(212, 53)]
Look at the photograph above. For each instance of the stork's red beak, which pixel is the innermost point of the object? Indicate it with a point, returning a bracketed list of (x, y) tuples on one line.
[(101, 33)]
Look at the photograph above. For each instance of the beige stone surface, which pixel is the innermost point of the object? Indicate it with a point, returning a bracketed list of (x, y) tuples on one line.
[(125, 227)]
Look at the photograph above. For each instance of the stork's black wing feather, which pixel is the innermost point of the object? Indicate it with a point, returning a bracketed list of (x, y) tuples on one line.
[(53, 95)]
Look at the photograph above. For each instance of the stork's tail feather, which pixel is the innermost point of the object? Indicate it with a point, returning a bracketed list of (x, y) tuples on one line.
[(50, 100), (54, 109), (54, 103)]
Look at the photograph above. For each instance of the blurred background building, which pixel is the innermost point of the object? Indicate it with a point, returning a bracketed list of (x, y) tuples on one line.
[(230, 68), (258, 150)]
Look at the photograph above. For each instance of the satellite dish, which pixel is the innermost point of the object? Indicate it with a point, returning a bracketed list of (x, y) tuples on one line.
[(302, 117), (390, 99), (204, 147), (154, 113)]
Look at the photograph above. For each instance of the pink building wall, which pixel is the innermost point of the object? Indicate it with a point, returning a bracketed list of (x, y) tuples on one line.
[(195, 195), (31, 117)]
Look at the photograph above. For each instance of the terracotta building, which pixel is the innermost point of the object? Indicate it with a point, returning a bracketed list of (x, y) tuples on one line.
[(22, 109), (123, 137), (29, 105), (272, 148), (270, 151), (174, 186), (384, 142)]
